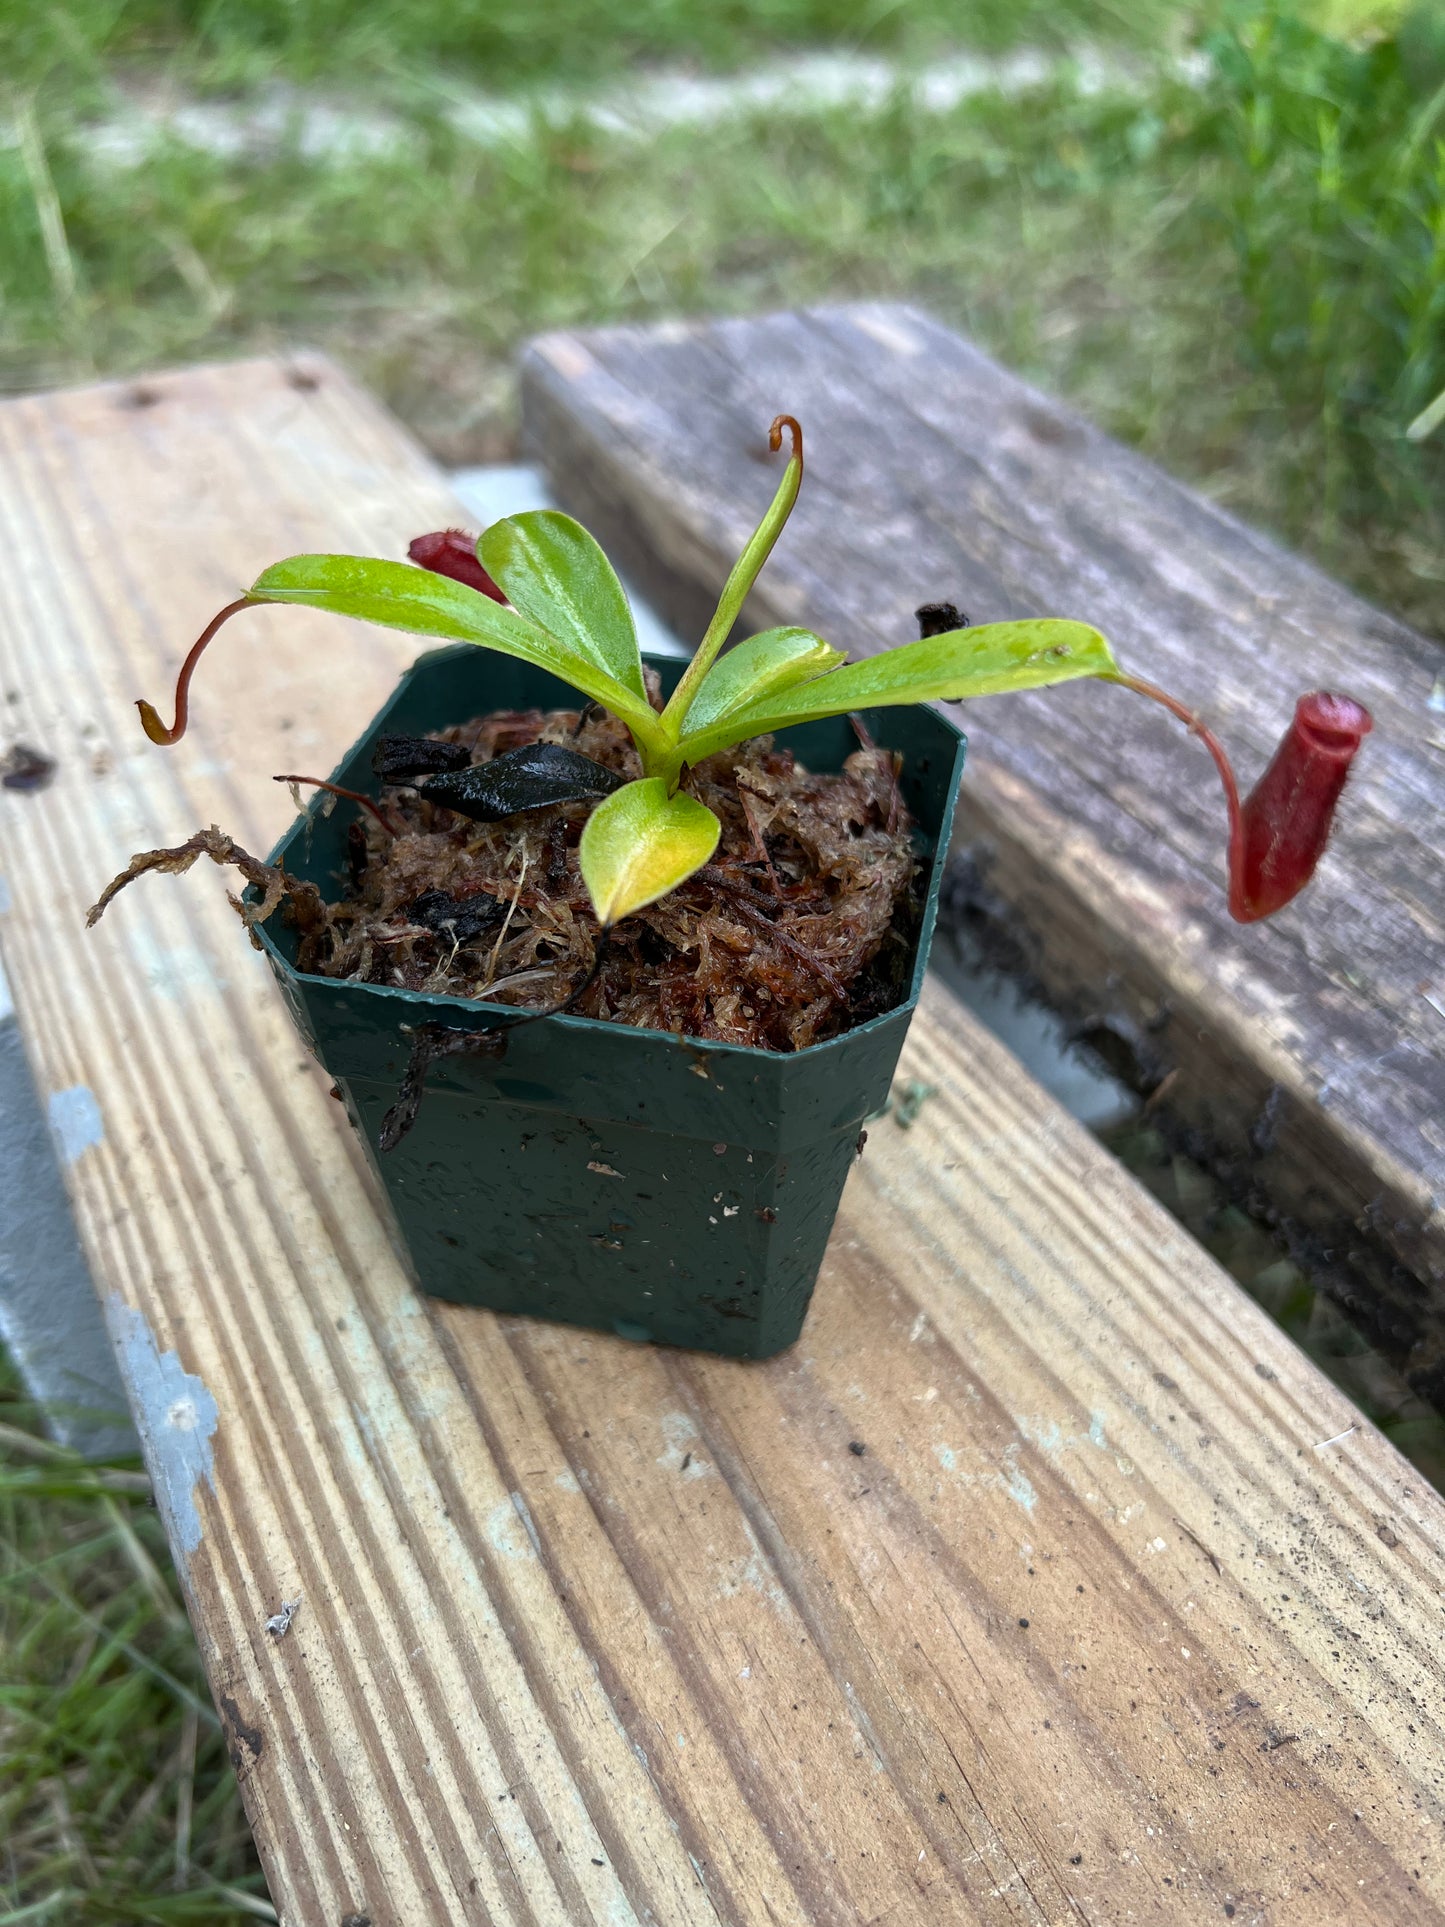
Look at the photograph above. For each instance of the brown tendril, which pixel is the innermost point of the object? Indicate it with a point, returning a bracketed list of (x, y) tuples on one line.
[(351, 796), (150, 715), (775, 435), (433, 1041)]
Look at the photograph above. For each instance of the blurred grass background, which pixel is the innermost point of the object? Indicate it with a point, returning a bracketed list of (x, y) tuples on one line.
[(1237, 263), (1219, 229)]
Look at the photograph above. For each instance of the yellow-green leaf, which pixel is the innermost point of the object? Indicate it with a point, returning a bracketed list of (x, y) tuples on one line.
[(640, 843), (744, 574), (987, 661), (555, 573), (761, 666), (399, 596)]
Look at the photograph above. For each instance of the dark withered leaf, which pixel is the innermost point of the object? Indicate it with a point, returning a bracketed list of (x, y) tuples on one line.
[(461, 917), (524, 779), (401, 759), (939, 619)]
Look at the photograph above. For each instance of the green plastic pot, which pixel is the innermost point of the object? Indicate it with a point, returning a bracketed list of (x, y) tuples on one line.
[(630, 1180)]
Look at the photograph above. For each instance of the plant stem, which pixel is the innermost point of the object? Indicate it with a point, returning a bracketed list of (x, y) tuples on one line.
[(352, 796), (150, 716), (745, 573), (1211, 742)]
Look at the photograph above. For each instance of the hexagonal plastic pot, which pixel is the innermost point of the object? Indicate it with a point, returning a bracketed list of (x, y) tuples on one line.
[(631, 1180)]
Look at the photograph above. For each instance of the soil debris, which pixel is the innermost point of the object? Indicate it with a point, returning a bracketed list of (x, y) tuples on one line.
[(26, 769), (279, 1624), (802, 926), (429, 1043), (910, 1102)]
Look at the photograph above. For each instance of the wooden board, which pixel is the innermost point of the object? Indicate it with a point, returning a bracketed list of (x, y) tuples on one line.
[(1308, 1054), (1043, 1581)]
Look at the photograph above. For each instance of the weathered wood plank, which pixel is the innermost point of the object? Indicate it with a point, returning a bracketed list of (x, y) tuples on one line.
[(594, 1633), (1309, 1052)]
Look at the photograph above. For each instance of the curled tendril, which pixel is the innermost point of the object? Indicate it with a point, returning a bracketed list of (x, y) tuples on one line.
[(794, 428), (351, 796), (150, 716)]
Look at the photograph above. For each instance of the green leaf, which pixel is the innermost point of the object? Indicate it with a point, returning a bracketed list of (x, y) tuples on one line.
[(761, 666), (640, 843), (554, 572), (399, 596), (988, 661), (745, 573)]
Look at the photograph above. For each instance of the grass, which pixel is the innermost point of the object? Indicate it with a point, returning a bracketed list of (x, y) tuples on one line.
[(1246, 279), (1331, 190), (499, 43), (117, 1800)]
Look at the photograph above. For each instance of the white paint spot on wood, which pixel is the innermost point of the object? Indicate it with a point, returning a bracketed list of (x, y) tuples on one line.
[(75, 1121), (279, 1624), (509, 1533), (176, 1417), (1015, 1480), (1051, 1438)]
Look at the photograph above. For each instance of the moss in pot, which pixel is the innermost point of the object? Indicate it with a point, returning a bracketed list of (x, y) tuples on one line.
[(646, 1069)]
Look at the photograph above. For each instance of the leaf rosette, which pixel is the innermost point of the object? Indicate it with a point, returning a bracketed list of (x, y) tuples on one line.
[(566, 611)]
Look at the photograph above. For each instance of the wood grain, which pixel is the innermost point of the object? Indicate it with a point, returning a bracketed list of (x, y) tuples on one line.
[(1308, 1054), (1094, 1627)]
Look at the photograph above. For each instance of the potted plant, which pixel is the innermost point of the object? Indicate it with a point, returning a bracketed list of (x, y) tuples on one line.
[(649, 1072)]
